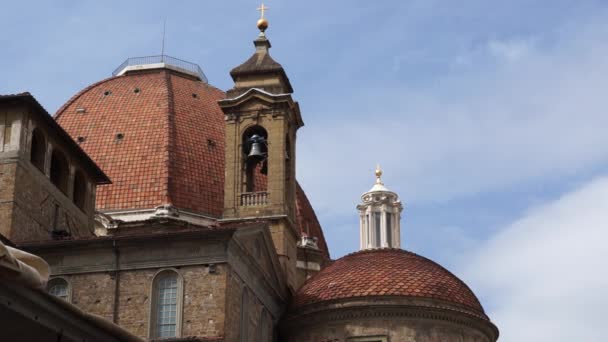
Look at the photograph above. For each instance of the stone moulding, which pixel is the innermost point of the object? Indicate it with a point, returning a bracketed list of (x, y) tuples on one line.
[(369, 308)]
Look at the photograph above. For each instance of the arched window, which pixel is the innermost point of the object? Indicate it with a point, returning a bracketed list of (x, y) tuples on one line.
[(60, 171), (255, 148), (245, 315), (59, 287), (80, 190), (165, 318), (38, 150)]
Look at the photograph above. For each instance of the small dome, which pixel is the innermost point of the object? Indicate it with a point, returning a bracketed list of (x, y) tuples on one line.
[(387, 272)]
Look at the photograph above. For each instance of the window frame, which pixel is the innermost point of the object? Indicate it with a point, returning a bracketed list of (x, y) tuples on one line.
[(153, 307), (68, 297)]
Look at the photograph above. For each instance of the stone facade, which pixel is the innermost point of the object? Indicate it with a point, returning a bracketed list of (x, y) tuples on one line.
[(113, 277), (203, 308), (33, 206)]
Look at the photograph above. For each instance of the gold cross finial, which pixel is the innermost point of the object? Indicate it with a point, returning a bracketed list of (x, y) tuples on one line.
[(262, 10), (262, 22)]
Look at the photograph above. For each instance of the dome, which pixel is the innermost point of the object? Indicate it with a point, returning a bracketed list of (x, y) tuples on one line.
[(158, 133), (387, 273)]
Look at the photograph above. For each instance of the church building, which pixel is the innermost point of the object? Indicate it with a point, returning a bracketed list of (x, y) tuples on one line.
[(171, 209)]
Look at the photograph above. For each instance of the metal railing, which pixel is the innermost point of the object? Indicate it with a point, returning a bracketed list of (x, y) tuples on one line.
[(175, 62), (252, 199)]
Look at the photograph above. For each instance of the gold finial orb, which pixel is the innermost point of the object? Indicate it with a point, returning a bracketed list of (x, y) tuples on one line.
[(378, 171), (262, 24)]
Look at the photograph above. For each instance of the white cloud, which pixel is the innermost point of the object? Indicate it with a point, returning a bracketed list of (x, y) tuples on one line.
[(542, 118), (545, 276), (510, 50)]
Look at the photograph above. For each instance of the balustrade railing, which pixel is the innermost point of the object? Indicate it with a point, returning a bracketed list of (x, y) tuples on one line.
[(252, 199), (176, 62)]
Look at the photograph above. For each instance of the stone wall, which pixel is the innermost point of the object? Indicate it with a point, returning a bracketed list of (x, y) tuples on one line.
[(7, 181), (393, 329), (203, 308), (93, 293), (204, 301), (234, 294), (39, 207), (256, 328), (30, 206)]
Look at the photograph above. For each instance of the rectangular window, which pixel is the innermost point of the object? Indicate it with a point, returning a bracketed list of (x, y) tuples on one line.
[(167, 307), (389, 230), (5, 130), (368, 230), (378, 217)]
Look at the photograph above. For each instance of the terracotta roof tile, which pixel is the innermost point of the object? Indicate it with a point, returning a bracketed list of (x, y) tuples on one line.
[(307, 220), (132, 125), (386, 272)]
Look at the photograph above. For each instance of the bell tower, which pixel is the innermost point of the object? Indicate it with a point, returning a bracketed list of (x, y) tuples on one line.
[(261, 124)]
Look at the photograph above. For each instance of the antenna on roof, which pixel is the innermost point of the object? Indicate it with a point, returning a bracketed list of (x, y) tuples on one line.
[(162, 50)]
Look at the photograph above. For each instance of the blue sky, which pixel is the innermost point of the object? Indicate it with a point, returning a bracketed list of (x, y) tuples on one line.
[(488, 118)]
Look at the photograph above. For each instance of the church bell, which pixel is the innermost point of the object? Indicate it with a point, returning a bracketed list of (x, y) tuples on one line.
[(256, 152)]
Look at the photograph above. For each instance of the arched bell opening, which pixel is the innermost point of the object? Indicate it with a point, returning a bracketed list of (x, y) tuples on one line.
[(79, 193), (38, 150), (60, 171), (287, 157), (255, 165)]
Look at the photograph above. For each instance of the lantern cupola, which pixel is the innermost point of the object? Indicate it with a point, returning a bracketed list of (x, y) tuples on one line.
[(380, 216)]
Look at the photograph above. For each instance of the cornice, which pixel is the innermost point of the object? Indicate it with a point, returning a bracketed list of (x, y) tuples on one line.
[(362, 310)]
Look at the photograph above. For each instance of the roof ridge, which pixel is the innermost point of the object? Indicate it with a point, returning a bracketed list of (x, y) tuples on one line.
[(170, 142)]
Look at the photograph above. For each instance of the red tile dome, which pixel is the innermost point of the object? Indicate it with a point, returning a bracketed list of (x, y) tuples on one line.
[(386, 272), (159, 136)]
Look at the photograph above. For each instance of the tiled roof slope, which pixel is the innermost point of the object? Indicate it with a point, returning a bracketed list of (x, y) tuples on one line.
[(257, 63), (386, 272), (307, 220), (172, 148)]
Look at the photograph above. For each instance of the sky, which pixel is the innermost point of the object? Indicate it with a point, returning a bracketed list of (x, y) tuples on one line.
[(488, 118)]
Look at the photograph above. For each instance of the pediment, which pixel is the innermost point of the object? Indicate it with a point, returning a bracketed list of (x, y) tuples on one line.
[(257, 244), (257, 96), (258, 100)]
